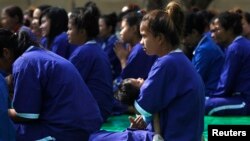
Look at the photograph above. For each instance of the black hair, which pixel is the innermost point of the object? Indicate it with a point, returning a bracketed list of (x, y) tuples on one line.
[(169, 23), (86, 18), (247, 16), (43, 7), (195, 20), (110, 20), (231, 20), (131, 8), (17, 43), (58, 22), (127, 93), (13, 11), (134, 19)]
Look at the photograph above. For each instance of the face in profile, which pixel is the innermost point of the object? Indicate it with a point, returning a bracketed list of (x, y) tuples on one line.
[(7, 21), (45, 26), (104, 30), (218, 33), (148, 41), (75, 36), (127, 32)]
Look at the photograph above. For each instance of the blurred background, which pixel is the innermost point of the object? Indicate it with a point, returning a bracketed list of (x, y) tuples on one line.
[(108, 6)]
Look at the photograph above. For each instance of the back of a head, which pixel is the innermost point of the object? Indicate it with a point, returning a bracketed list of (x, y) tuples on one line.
[(83, 18), (127, 9), (17, 43), (127, 92), (169, 22), (195, 20), (95, 9), (231, 21)]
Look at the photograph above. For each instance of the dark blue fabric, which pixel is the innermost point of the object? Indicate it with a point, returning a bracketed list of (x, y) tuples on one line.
[(175, 90), (208, 60), (60, 45), (138, 63), (235, 76), (127, 135), (108, 47), (94, 67), (234, 86), (51, 87), (7, 132)]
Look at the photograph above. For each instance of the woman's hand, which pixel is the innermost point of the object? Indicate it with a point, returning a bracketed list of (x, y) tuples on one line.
[(137, 123), (122, 53)]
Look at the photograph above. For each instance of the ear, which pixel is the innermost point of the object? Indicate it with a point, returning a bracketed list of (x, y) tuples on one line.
[(160, 38)]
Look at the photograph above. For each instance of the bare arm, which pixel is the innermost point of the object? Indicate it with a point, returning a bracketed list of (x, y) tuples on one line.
[(13, 115)]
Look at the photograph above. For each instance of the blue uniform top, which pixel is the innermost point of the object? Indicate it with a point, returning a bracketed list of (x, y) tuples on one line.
[(94, 67), (175, 90), (60, 45), (50, 90), (235, 76), (138, 63), (208, 60), (7, 132), (108, 47)]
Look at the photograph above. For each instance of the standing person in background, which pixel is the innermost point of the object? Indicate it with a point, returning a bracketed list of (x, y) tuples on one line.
[(107, 39), (89, 59), (173, 88), (12, 19), (54, 25), (232, 95), (51, 101)]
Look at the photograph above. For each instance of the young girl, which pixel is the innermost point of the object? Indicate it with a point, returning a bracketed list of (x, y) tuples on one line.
[(133, 58), (107, 39), (51, 101), (54, 24), (173, 88)]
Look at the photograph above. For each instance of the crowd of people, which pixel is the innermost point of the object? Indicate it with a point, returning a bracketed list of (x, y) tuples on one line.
[(63, 74)]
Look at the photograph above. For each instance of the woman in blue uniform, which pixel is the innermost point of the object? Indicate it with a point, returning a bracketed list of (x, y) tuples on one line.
[(232, 96), (107, 39), (173, 88), (51, 101), (134, 61), (90, 60), (54, 25)]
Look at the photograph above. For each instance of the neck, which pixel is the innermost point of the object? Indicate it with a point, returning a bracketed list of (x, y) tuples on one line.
[(167, 48), (135, 41)]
